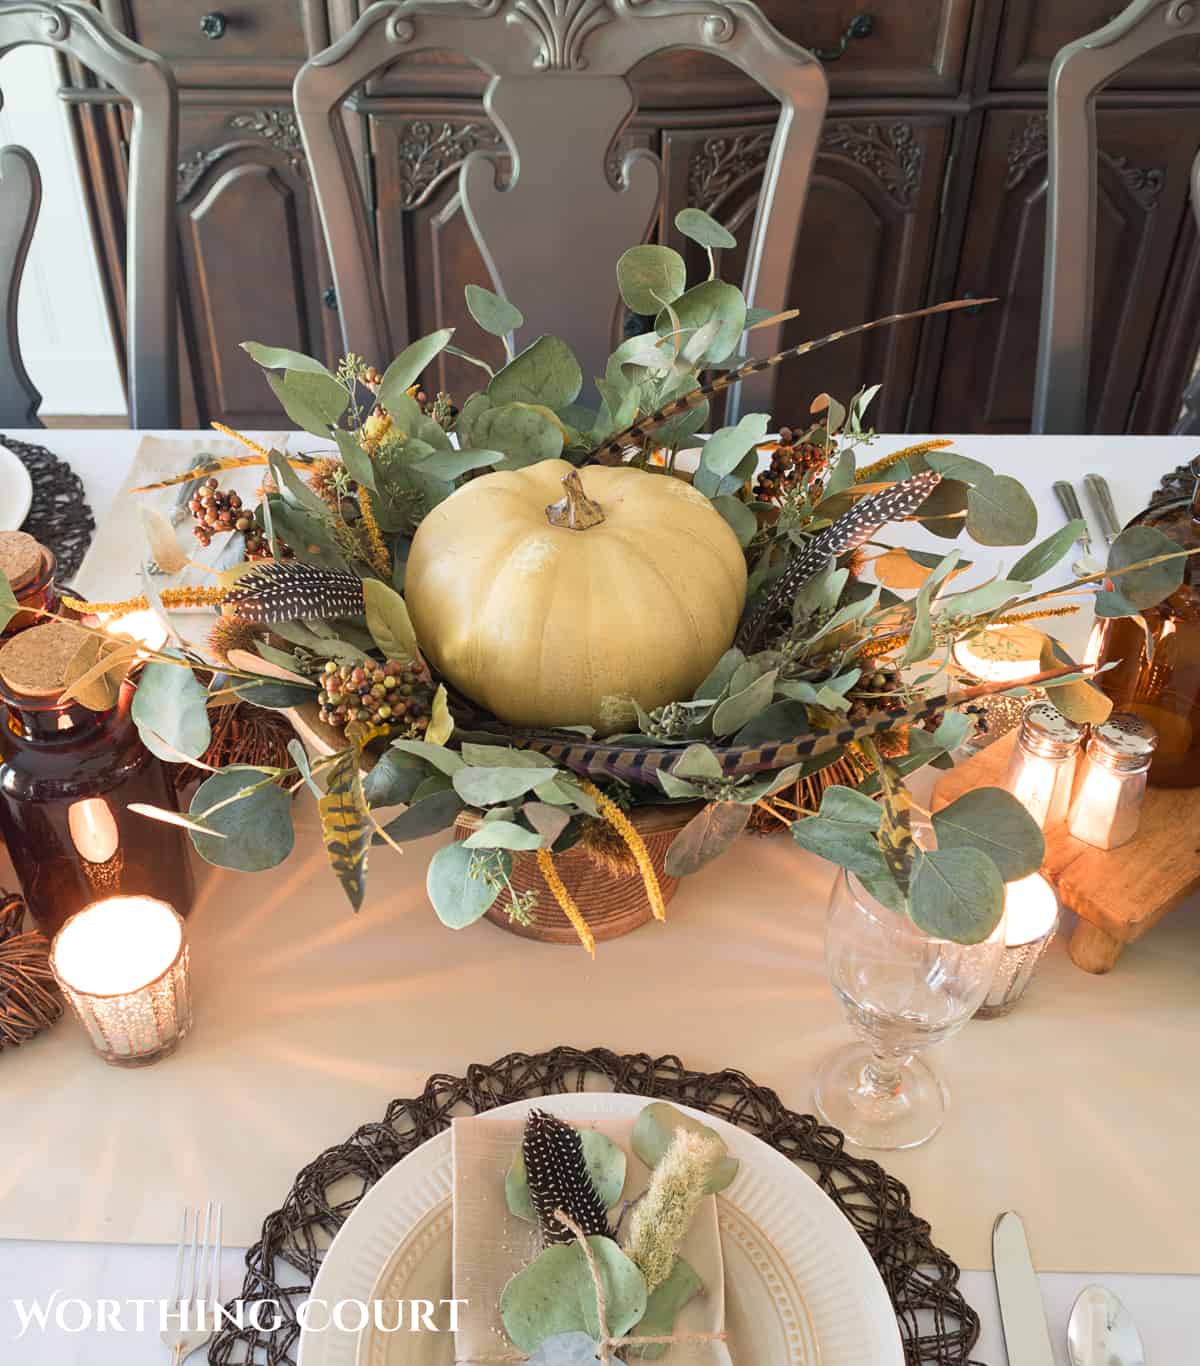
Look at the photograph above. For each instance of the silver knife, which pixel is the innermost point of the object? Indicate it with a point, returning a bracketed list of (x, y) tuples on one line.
[(1102, 501), (1026, 1337), (1069, 502)]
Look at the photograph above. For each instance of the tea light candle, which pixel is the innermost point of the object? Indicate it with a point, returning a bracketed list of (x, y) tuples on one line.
[(1030, 923), (122, 963), (145, 627)]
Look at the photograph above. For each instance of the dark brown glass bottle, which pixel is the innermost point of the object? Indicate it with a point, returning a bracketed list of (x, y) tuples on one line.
[(1164, 689), (67, 777)]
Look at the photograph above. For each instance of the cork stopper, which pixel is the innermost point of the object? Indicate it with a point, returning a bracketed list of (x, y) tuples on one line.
[(35, 662), (21, 559)]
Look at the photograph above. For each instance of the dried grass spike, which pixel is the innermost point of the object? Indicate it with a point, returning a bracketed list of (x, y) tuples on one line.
[(566, 902), (637, 846)]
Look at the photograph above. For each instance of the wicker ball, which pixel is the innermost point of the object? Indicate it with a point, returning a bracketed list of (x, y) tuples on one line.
[(12, 914), (29, 999)]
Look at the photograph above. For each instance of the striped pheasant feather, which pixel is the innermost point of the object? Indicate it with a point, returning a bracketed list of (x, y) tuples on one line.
[(288, 591), (850, 531), (614, 449), (558, 1179)]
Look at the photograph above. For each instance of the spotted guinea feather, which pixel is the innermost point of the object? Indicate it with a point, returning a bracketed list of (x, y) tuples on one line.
[(558, 1179), (288, 591), (851, 530)]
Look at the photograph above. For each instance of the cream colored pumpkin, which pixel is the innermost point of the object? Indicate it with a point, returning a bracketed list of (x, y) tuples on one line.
[(546, 625)]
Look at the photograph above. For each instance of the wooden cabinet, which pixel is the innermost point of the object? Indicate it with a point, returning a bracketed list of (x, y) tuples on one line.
[(987, 376), (929, 182), (251, 258)]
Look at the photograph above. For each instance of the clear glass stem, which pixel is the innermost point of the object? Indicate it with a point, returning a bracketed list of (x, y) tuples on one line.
[(881, 1081)]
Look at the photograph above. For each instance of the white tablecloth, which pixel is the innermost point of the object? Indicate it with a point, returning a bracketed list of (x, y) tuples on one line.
[(1168, 1307)]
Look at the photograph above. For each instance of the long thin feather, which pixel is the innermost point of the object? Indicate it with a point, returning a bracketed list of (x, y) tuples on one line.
[(558, 1178), (614, 448), (203, 468), (290, 591)]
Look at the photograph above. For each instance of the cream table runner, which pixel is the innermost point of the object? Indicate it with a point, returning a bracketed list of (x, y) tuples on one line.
[(1080, 1110)]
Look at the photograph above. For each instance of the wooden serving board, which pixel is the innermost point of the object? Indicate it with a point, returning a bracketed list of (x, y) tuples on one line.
[(1118, 894)]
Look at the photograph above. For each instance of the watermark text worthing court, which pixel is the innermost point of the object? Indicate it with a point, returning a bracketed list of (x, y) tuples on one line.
[(65, 1314)]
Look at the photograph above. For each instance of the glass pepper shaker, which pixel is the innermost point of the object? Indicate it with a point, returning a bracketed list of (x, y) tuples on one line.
[(1041, 772), (67, 778), (1108, 804)]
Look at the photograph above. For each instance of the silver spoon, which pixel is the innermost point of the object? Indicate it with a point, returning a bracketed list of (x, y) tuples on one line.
[(1102, 1332)]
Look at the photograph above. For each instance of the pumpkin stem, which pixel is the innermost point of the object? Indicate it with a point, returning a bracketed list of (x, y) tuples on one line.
[(575, 512)]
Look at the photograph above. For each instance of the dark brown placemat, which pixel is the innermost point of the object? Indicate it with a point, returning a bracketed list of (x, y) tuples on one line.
[(936, 1323), (59, 516)]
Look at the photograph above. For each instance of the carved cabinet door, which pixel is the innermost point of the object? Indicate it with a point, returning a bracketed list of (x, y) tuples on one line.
[(863, 251), (986, 381), (252, 265)]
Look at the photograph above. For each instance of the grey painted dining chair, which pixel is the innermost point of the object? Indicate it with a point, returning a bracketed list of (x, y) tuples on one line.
[(1078, 72), (145, 80), (1189, 418), (559, 95)]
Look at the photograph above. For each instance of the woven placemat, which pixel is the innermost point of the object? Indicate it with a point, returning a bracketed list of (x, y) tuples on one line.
[(59, 515), (936, 1323)]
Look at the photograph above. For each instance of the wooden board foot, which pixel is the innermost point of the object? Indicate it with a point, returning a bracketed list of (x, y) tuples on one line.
[(1094, 949)]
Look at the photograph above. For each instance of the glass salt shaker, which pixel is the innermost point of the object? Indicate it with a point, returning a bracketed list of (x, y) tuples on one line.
[(1041, 771), (1108, 804)]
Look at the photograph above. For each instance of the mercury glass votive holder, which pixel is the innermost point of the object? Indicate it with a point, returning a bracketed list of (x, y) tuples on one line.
[(122, 964), (1031, 922)]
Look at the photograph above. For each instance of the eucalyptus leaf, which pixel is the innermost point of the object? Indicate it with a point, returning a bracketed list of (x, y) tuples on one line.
[(941, 513), (452, 464), (520, 432), (9, 607), (503, 756), (654, 1131), (170, 710), (441, 723), (549, 821), (314, 402), (742, 521), (555, 1294), (279, 358), (459, 895), (956, 894), (1041, 558), (491, 312), (273, 694), (1149, 585), (545, 373), (1108, 604), (699, 762), (952, 465), (394, 778), (310, 536), (388, 621), (782, 720), (165, 550), (503, 835), (1078, 700), (741, 707), (606, 1165), (986, 598), (704, 229), (724, 669), (257, 828), (727, 448), (426, 816), (706, 836), (565, 1349), (663, 1307), (992, 820), (408, 367), (715, 305), (1001, 512), (443, 759), (650, 277), (485, 786)]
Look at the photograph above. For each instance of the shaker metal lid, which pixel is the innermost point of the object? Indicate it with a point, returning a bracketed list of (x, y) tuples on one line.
[(1043, 722), (1124, 737)]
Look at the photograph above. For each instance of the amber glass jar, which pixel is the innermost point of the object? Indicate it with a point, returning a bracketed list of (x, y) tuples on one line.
[(67, 777), (1165, 689), (30, 569)]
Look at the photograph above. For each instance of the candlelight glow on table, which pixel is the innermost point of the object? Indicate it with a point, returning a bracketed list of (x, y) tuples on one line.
[(122, 964), (1030, 923), (1000, 654), (146, 627)]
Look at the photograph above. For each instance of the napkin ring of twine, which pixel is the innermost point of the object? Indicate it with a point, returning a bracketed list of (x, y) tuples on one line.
[(606, 1344)]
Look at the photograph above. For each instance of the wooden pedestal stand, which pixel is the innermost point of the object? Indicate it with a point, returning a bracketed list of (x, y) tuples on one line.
[(1120, 893)]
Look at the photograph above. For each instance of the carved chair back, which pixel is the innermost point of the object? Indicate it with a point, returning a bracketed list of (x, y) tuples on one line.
[(78, 31), (1079, 71), (1189, 417), (559, 96)]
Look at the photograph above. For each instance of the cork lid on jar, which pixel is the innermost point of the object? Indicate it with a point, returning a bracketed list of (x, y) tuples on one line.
[(35, 662), (21, 559)]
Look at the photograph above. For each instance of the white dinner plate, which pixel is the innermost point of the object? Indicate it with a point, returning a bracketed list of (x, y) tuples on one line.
[(801, 1289), (16, 491)]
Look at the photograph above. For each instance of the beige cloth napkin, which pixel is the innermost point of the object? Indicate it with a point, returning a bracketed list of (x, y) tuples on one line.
[(491, 1245)]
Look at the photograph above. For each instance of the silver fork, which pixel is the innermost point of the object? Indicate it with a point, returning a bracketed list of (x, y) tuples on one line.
[(195, 1309)]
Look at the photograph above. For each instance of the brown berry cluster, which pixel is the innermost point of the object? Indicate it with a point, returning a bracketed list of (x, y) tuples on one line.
[(791, 460), (258, 546), (217, 511), (391, 694)]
